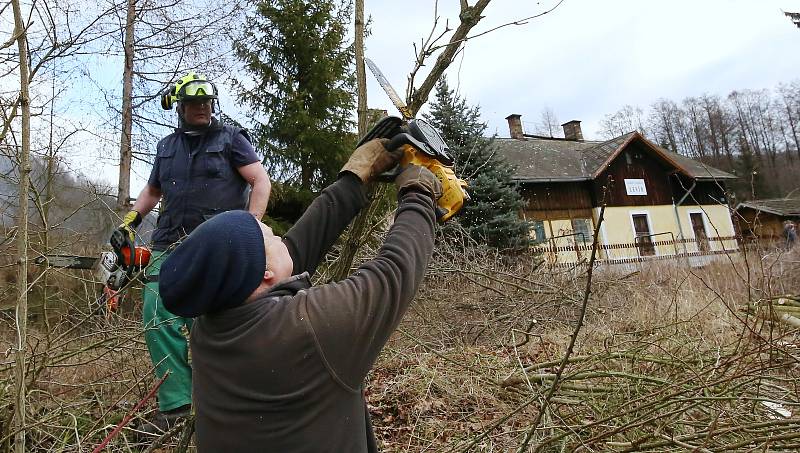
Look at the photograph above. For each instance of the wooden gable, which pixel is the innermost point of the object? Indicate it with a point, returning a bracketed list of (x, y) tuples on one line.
[(635, 169), (557, 200)]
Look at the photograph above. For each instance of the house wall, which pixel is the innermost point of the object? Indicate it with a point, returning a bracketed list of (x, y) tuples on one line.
[(560, 234), (560, 196), (617, 232), (702, 193), (635, 162), (618, 228), (718, 223)]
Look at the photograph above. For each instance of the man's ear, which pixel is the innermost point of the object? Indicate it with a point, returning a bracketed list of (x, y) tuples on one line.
[(269, 277)]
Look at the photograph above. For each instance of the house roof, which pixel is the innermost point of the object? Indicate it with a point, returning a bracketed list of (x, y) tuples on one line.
[(540, 159), (778, 206)]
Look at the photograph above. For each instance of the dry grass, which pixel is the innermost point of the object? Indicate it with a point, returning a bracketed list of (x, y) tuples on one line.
[(667, 360)]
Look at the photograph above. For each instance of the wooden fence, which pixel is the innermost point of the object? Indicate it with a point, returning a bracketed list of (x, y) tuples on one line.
[(571, 249)]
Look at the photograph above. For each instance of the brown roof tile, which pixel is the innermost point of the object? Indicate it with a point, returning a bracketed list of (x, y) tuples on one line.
[(553, 159), (777, 206)]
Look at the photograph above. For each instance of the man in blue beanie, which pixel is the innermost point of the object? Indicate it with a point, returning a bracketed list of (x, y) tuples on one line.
[(279, 365)]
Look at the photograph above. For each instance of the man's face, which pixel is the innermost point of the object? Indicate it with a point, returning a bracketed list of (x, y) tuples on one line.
[(279, 262), (197, 112)]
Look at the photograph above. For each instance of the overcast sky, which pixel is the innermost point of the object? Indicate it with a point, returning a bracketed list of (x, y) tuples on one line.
[(589, 58), (586, 59)]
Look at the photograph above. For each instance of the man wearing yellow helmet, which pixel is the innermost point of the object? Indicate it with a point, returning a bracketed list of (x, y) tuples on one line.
[(202, 169)]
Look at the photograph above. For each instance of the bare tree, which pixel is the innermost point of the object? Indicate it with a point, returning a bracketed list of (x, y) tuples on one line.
[(548, 125), (745, 105), (719, 127), (20, 33), (124, 186), (697, 125), (361, 76), (789, 102), (663, 119), (625, 120), (416, 97), (469, 17)]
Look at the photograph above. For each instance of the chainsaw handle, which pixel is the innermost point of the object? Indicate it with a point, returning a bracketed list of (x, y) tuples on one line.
[(399, 141), (119, 241), (406, 139)]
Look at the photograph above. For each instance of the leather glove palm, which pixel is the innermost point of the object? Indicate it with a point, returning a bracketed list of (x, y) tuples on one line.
[(129, 223), (371, 159)]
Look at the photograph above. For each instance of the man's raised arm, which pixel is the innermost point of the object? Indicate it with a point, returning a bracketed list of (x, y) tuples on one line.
[(329, 214)]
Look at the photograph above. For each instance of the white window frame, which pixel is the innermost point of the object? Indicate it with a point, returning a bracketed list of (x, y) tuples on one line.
[(649, 226)]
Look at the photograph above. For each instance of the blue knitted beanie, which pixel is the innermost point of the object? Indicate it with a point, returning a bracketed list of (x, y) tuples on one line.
[(217, 267)]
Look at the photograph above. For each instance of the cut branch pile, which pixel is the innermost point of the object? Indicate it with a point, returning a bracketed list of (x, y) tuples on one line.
[(665, 362), (667, 359)]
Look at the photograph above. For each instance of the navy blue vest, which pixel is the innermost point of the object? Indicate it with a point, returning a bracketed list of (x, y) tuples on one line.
[(197, 181)]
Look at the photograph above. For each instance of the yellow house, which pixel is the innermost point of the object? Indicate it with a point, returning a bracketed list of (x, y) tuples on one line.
[(658, 204)]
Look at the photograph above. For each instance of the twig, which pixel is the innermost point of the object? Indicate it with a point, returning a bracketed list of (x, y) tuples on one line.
[(573, 339), (129, 415)]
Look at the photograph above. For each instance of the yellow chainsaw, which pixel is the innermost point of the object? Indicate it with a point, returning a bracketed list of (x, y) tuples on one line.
[(422, 145)]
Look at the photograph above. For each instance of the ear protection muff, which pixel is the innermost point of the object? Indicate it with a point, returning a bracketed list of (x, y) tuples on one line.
[(168, 98)]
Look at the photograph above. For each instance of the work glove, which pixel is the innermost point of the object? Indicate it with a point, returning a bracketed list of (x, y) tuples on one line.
[(371, 159), (129, 223), (420, 179)]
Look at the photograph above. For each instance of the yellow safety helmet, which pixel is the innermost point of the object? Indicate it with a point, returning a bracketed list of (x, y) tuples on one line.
[(190, 87)]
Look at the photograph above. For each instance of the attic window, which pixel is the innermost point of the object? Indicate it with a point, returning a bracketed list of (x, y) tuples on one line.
[(628, 159)]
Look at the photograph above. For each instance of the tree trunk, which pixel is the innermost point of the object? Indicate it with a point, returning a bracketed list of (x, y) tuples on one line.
[(22, 231), (341, 268), (793, 128), (361, 76), (306, 171), (469, 16), (124, 192)]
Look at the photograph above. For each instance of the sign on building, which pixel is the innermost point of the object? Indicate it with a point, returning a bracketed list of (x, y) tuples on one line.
[(635, 187)]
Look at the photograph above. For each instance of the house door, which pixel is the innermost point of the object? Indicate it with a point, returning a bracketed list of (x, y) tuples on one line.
[(643, 238), (699, 228)]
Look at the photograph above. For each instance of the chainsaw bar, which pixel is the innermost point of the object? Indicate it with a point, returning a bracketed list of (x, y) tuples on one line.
[(387, 87), (66, 261)]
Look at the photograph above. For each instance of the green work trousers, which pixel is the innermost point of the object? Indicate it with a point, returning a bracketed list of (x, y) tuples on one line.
[(167, 338)]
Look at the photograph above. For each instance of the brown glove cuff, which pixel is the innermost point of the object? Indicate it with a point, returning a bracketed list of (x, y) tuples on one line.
[(357, 167), (419, 179)]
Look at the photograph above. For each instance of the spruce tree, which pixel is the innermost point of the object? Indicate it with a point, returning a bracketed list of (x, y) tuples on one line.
[(300, 87), (492, 215)]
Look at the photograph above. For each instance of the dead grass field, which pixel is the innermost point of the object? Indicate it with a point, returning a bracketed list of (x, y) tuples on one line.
[(667, 359)]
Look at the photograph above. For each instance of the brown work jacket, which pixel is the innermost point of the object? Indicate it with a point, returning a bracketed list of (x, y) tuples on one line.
[(285, 373)]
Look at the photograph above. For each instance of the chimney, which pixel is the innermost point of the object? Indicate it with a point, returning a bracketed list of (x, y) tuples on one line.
[(572, 130), (515, 125)]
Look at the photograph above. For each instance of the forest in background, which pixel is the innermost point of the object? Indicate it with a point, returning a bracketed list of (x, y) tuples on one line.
[(751, 133)]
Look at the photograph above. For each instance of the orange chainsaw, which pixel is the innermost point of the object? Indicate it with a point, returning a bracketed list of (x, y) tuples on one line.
[(114, 269)]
